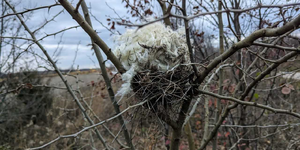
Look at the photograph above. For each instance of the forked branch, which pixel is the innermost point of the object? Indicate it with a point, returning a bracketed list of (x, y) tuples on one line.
[(91, 32)]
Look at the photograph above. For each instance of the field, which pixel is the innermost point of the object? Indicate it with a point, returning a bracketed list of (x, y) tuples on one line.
[(63, 117)]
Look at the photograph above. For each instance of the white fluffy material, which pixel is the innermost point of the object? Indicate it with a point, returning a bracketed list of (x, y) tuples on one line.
[(165, 49), (126, 86)]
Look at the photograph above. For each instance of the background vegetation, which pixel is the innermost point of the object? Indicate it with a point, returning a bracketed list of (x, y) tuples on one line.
[(238, 89)]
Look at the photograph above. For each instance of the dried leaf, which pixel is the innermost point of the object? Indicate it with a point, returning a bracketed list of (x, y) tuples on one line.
[(231, 88), (113, 26), (285, 90), (29, 85), (215, 103), (209, 103), (226, 81), (227, 134), (290, 86), (168, 142), (148, 12), (237, 72), (224, 122)]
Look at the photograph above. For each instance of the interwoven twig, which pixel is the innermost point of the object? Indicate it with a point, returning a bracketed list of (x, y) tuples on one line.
[(163, 91)]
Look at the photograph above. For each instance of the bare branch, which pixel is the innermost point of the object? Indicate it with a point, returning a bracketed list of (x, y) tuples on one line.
[(276, 46), (30, 10), (106, 79), (266, 72), (259, 126), (226, 111), (188, 39), (282, 111), (89, 127), (89, 30), (77, 6), (209, 13), (247, 42)]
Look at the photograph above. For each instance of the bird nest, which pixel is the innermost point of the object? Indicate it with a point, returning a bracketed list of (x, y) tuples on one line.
[(163, 91)]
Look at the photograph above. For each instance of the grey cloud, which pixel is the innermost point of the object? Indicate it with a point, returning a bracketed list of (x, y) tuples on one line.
[(71, 38)]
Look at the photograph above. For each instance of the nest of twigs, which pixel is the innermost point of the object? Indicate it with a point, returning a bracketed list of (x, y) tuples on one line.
[(163, 91)]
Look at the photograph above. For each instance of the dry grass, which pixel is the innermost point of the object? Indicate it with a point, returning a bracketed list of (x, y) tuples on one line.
[(148, 132), (65, 118)]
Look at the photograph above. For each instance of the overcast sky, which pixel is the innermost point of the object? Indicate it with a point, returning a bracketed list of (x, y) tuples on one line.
[(75, 39)]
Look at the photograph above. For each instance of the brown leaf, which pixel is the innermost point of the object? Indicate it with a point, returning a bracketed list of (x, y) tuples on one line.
[(148, 12), (290, 86), (231, 88), (113, 26), (215, 103), (29, 85), (237, 72), (210, 103), (285, 90), (227, 134), (226, 81)]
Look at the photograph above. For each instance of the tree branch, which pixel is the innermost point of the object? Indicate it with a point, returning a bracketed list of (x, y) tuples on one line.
[(106, 78), (276, 46), (29, 10), (266, 32), (89, 30), (274, 110)]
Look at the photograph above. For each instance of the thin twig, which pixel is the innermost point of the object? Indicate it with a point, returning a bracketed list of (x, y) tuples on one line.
[(88, 128), (30, 10)]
